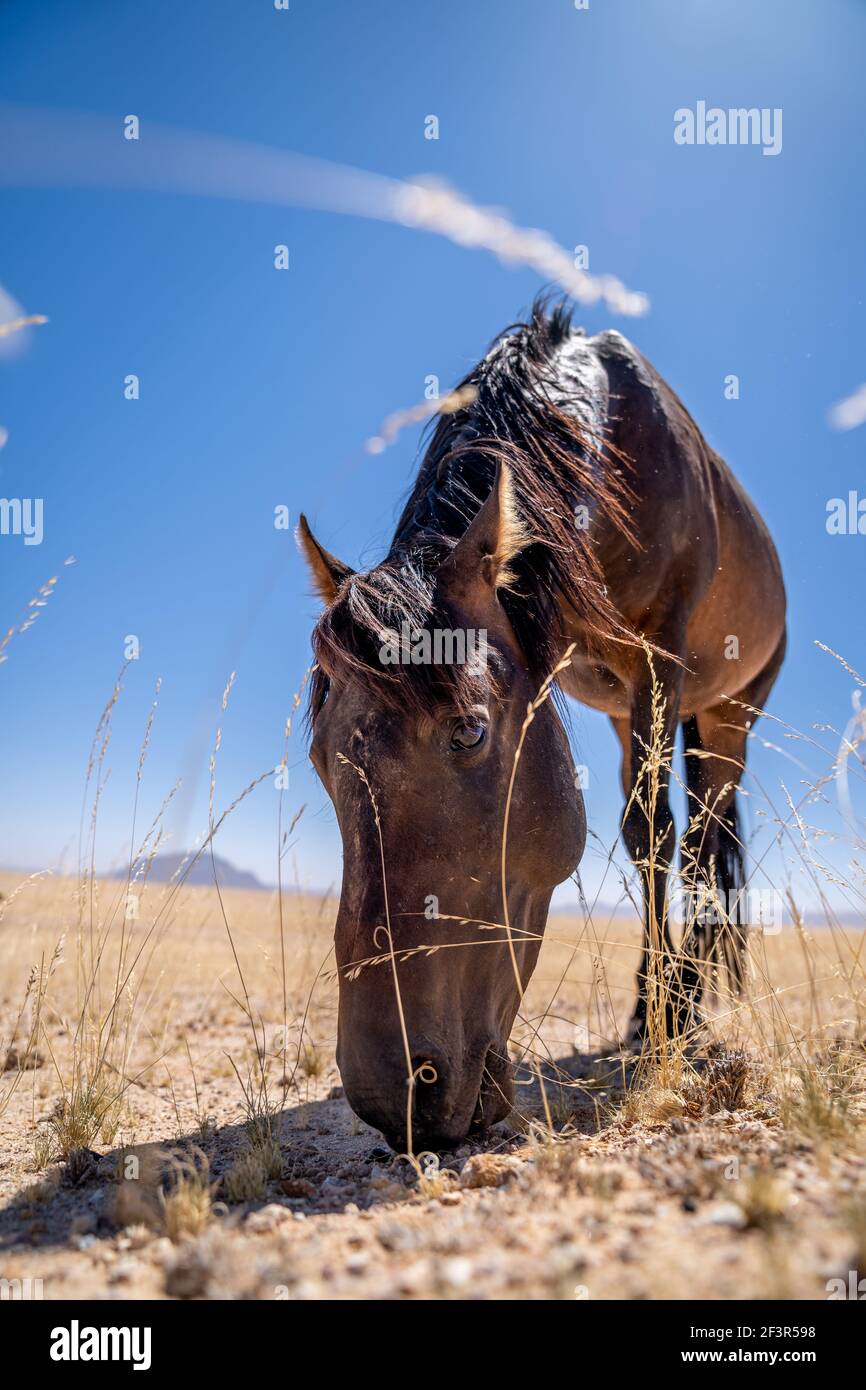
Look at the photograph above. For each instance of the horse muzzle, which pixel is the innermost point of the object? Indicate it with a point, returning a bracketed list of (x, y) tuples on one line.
[(442, 1103)]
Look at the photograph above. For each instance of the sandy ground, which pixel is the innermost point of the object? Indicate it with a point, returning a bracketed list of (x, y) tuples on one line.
[(601, 1187)]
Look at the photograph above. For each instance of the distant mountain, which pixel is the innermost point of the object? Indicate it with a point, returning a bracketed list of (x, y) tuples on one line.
[(165, 866)]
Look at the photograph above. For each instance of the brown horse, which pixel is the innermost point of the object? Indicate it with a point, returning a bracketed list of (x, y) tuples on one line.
[(570, 500)]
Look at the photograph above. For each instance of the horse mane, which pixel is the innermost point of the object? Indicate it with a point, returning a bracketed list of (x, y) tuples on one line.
[(556, 462)]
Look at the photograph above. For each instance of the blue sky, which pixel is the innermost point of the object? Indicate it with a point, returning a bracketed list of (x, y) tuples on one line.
[(259, 387)]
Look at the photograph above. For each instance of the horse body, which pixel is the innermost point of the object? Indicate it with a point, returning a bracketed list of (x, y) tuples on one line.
[(690, 579), (574, 501), (703, 583)]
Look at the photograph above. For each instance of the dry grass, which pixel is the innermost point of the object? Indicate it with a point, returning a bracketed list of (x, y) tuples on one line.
[(247, 1179), (187, 1204), (578, 1143), (194, 1041)]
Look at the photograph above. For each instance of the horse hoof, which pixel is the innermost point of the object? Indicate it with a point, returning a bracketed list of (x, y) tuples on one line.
[(680, 1023)]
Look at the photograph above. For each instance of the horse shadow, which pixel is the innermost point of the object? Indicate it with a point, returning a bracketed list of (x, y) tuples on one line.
[(575, 1094), (331, 1161)]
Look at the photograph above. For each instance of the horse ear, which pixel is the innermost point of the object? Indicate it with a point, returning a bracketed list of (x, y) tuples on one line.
[(491, 541), (328, 572)]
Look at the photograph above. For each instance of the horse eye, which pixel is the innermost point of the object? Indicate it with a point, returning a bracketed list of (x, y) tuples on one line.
[(468, 733)]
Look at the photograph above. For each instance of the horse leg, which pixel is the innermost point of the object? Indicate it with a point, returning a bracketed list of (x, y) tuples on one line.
[(712, 860), (647, 739), (712, 867)]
